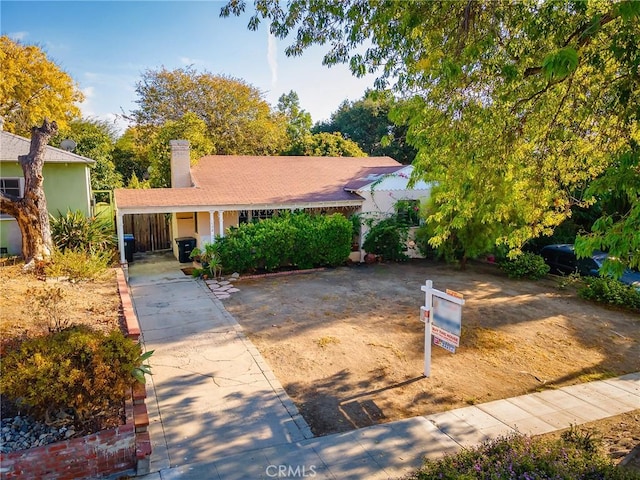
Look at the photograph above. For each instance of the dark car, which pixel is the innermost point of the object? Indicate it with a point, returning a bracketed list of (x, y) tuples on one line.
[(562, 260)]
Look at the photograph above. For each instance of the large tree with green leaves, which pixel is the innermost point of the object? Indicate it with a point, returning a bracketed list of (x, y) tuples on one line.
[(238, 120), (366, 122), (520, 110), (189, 127), (33, 87)]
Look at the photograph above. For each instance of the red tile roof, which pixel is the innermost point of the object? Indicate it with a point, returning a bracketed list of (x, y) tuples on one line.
[(231, 180)]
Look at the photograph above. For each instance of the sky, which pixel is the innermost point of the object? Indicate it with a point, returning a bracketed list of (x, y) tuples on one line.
[(105, 46)]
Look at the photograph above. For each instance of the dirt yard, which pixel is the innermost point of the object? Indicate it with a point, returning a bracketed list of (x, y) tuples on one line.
[(347, 343)]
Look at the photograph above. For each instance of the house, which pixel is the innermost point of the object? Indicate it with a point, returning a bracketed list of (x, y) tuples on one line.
[(223, 191), (67, 184)]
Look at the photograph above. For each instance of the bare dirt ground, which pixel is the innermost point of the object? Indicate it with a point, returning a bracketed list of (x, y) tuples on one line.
[(347, 343), (29, 306)]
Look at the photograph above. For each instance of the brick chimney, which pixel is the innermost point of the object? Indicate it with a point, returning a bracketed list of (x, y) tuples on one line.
[(180, 164)]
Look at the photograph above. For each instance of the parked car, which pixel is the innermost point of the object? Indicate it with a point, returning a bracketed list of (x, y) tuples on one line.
[(563, 260)]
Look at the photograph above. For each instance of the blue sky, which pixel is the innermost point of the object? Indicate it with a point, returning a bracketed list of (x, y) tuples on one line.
[(106, 45)]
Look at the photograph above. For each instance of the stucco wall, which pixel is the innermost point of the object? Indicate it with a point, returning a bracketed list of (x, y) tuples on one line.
[(66, 187)]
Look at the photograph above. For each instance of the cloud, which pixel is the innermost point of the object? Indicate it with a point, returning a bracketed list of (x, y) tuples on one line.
[(89, 92), (272, 56), (18, 36)]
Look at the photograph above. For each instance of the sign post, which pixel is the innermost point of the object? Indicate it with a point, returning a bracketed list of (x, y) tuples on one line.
[(442, 316)]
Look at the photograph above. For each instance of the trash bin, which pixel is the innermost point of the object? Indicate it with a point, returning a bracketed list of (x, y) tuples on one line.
[(185, 246), (129, 246)]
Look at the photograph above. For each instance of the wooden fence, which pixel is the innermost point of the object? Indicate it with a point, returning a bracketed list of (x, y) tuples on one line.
[(150, 231)]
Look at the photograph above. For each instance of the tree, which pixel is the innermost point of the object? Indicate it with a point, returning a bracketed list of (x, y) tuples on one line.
[(33, 87), (366, 122), (518, 106), (94, 139), (298, 120), (239, 121), (325, 145), (30, 211), (189, 127), (129, 158)]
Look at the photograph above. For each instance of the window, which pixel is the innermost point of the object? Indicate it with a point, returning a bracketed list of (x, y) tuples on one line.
[(11, 186), (246, 216)]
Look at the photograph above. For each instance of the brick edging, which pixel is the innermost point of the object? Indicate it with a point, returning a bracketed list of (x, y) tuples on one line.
[(140, 415)]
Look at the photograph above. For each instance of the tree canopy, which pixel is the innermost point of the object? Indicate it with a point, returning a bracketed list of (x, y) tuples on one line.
[(238, 120), (33, 87), (519, 110), (366, 122)]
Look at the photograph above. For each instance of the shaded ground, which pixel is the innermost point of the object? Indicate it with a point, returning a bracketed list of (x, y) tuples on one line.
[(347, 343)]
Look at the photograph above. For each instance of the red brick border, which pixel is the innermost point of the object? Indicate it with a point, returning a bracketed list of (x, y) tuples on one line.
[(125, 449)]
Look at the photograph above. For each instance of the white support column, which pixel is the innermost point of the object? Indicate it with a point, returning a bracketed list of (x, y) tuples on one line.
[(212, 232), (221, 222), (120, 228)]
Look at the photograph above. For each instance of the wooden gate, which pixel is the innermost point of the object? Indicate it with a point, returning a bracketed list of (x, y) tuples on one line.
[(150, 231)]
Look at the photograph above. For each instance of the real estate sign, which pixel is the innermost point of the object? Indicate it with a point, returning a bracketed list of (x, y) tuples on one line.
[(442, 314)]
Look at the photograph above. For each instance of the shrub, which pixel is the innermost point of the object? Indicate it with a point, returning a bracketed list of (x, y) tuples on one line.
[(526, 265), (387, 238), (298, 239), (78, 264), (522, 457), (610, 291), (74, 231), (76, 368)]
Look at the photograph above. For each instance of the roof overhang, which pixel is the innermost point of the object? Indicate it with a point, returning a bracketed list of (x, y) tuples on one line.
[(132, 210)]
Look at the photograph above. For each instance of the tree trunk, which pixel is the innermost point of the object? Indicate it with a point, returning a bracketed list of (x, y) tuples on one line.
[(30, 211)]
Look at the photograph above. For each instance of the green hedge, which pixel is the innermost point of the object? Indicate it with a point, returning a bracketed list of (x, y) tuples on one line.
[(526, 265), (290, 239), (609, 291)]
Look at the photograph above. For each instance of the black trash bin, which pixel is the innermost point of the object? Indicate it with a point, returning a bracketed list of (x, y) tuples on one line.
[(185, 246), (129, 246)]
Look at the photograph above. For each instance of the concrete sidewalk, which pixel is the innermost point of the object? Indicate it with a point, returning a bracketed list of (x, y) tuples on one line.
[(217, 411)]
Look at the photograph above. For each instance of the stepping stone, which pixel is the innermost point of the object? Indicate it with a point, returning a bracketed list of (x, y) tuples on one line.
[(233, 290), (222, 289), (222, 295), (212, 283), (224, 282)]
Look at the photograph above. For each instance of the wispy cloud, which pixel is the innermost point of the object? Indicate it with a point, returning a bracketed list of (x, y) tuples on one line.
[(88, 92), (18, 36), (272, 57)]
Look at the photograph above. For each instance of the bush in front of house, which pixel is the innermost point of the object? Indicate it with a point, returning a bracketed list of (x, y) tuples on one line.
[(290, 239), (388, 239), (75, 368), (526, 265), (610, 291), (574, 456)]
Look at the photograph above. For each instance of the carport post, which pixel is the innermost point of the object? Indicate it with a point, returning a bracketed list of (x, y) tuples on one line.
[(120, 229), (425, 314)]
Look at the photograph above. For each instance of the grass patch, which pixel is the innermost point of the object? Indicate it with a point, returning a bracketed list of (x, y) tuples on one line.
[(324, 342)]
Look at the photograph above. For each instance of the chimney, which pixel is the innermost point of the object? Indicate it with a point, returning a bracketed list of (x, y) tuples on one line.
[(180, 164)]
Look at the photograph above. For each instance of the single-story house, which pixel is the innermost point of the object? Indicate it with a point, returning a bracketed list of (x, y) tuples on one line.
[(67, 184), (222, 191)]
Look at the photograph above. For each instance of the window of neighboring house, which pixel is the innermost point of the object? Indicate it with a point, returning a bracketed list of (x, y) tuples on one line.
[(408, 212), (12, 186)]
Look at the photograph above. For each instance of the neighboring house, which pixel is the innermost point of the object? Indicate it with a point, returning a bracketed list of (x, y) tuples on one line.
[(223, 191), (67, 184)]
